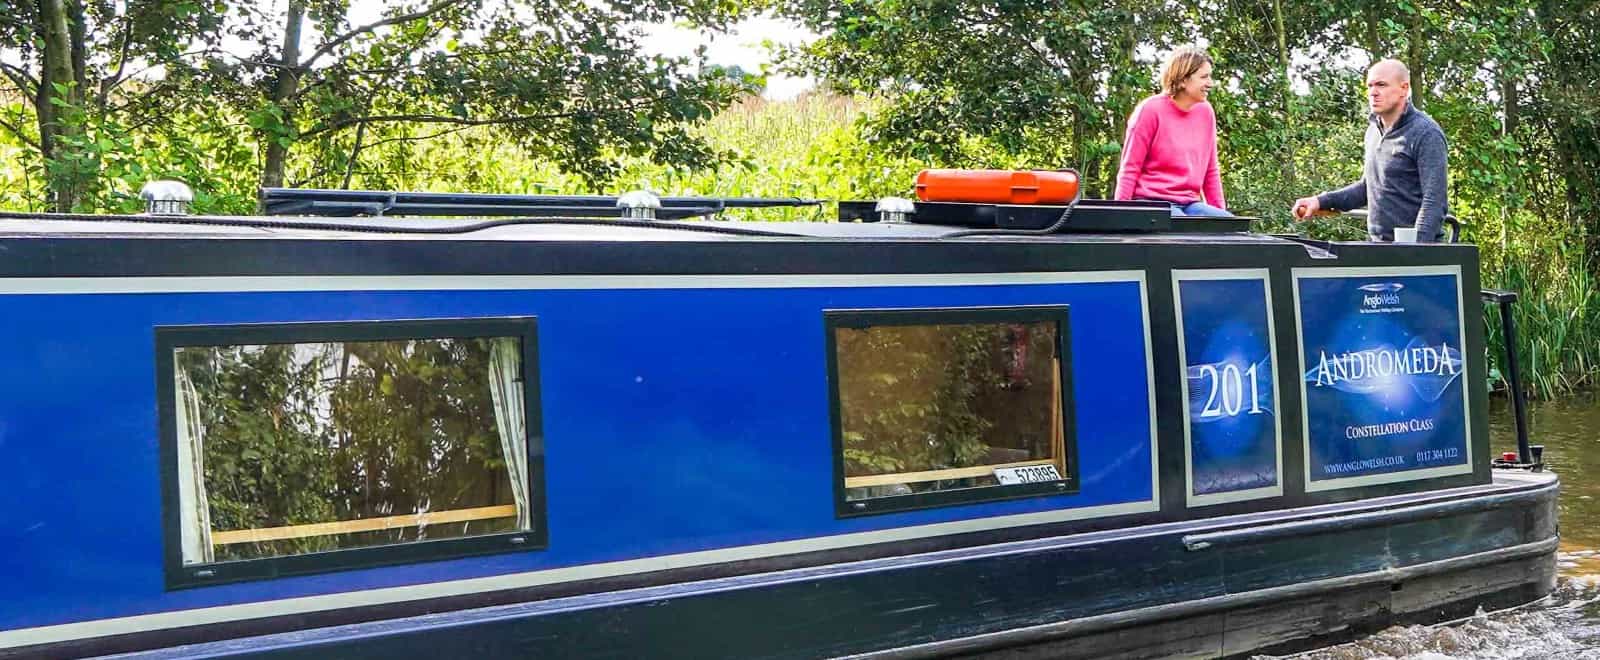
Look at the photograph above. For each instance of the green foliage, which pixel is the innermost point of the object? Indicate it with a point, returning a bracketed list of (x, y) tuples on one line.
[(264, 461), (993, 83), (312, 433), (803, 148), (580, 98), (1557, 316), (562, 80), (72, 67), (906, 397), (933, 397), (808, 147)]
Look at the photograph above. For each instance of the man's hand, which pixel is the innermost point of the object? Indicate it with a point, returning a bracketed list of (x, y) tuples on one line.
[(1305, 207)]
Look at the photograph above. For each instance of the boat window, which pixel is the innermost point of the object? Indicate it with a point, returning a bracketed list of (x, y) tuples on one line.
[(296, 452), (949, 405)]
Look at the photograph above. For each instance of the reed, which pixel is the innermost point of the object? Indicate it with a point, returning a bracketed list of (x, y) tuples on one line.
[(1557, 317), (807, 147)]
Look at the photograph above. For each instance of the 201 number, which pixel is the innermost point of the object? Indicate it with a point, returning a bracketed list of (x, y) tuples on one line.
[(1226, 396)]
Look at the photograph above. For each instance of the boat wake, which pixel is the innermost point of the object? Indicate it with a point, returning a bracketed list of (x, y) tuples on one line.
[(1563, 626)]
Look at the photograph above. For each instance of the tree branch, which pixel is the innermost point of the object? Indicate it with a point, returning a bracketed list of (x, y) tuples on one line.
[(408, 138), (310, 177), (355, 156), (463, 55), (405, 138), (25, 83), (324, 77), (355, 150), (18, 23), (146, 121), (143, 97), (180, 56), (110, 82), (263, 64), (418, 138), (21, 136), (328, 47), (429, 119)]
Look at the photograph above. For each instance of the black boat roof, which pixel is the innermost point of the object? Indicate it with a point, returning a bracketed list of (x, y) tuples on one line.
[(19, 225), (294, 214)]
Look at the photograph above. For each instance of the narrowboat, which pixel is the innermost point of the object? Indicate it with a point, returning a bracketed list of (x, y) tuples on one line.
[(640, 427)]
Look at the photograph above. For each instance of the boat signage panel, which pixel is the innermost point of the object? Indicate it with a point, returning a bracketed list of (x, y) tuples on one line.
[(1233, 443), (1383, 375)]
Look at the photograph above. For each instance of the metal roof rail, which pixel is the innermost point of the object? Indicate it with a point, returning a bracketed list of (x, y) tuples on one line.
[(349, 203)]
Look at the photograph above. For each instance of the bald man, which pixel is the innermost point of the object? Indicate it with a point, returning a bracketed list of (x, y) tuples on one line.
[(1404, 165)]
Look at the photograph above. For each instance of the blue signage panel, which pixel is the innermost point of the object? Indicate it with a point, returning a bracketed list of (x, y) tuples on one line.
[(1383, 375), (1230, 392)]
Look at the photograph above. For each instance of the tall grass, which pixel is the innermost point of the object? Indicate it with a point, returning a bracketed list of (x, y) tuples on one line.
[(1557, 318), (808, 147)]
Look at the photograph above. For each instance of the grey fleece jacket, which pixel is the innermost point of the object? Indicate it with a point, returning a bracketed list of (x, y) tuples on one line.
[(1403, 180)]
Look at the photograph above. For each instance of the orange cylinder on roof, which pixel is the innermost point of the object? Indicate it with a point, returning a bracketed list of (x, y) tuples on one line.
[(998, 186)]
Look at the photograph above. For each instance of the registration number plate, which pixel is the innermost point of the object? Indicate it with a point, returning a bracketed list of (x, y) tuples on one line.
[(1027, 474)]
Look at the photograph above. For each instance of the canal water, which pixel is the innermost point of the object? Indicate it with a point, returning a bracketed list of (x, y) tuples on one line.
[(1565, 626)]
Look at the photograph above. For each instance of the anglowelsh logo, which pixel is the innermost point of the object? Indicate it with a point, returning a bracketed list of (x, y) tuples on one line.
[(1385, 294)]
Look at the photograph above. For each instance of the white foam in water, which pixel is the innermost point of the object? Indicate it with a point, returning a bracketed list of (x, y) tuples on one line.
[(1566, 626)]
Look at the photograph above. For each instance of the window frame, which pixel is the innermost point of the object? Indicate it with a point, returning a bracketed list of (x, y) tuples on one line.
[(170, 338), (835, 319)]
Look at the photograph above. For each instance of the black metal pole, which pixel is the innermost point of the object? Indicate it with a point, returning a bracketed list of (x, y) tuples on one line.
[(1519, 403)]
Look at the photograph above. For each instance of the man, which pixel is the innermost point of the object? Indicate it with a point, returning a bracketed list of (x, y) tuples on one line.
[(1404, 164)]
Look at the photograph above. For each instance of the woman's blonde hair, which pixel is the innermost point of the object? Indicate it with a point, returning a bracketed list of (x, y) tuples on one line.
[(1182, 63)]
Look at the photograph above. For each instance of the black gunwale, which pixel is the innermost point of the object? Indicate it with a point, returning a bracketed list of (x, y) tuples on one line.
[(835, 319), (169, 338)]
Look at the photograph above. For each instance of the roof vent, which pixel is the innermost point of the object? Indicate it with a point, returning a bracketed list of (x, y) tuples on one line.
[(894, 209), (639, 205), (166, 197)]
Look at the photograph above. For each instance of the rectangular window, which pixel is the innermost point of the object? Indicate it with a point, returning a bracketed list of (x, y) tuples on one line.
[(941, 406), (308, 447)]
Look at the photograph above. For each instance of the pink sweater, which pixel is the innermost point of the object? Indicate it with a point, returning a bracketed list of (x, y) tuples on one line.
[(1170, 154)]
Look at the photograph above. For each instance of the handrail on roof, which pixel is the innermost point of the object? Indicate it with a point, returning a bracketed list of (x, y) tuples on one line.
[(348, 203), (1451, 222)]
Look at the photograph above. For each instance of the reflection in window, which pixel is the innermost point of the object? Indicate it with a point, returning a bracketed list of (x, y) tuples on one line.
[(287, 449), (948, 406)]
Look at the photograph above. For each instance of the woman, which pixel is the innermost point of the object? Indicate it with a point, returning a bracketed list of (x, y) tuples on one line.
[(1170, 151)]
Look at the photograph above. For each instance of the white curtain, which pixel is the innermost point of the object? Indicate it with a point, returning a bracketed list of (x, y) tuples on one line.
[(505, 386), (195, 534)]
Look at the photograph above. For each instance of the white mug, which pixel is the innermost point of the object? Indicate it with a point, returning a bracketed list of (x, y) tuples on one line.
[(1405, 234)]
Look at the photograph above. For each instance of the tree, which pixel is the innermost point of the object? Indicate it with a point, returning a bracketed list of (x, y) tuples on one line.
[(991, 82), (78, 62), (1286, 129), (564, 79), (1562, 108)]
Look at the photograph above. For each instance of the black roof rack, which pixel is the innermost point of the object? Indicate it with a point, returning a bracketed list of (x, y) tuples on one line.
[(348, 203)]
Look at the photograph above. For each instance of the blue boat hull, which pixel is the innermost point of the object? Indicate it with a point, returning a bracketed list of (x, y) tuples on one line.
[(1218, 587), (686, 481)]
